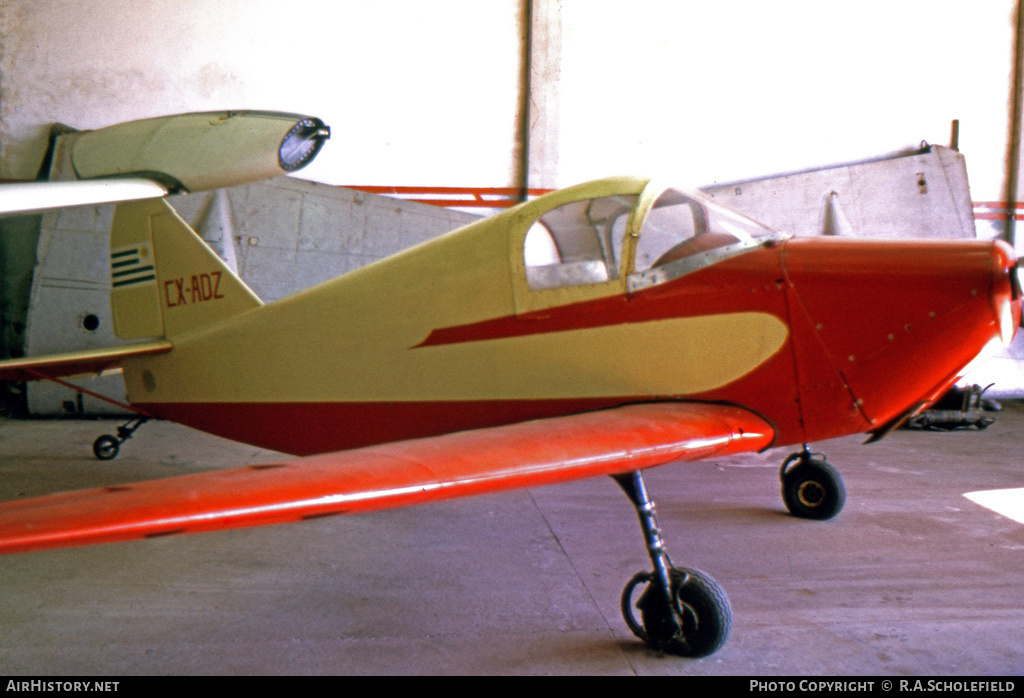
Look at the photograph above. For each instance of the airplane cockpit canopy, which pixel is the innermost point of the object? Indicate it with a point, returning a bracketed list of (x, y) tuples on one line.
[(667, 232), (685, 231)]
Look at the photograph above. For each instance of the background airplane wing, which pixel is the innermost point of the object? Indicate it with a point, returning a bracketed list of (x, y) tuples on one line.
[(22, 198), (150, 158), (391, 475), (87, 361)]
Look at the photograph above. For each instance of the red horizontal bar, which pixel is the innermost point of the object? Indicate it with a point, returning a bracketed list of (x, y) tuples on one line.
[(997, 216), (467, 203), (996, 204), (997, 211)]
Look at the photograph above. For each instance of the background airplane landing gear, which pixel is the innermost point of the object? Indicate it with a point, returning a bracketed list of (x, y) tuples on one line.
[(682, 612), (107, 447), (811, 488)]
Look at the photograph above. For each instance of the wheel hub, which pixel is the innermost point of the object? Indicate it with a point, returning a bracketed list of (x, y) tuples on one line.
[(811, 494)]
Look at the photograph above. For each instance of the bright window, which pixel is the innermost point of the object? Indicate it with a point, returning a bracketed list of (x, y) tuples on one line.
[(577, 243)]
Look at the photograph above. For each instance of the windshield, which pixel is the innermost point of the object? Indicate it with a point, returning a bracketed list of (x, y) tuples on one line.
[(684, 231)]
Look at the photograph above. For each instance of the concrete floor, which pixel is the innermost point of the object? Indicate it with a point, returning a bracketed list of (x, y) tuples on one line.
[(911, 578)]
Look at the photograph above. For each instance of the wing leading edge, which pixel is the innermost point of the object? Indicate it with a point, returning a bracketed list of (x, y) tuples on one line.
[(86, 361), (391, 475), (24, 198)]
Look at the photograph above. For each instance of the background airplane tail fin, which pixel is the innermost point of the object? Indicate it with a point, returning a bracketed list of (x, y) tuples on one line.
[(165, 281)]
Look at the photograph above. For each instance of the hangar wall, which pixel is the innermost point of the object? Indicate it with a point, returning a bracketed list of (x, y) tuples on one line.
[(435, 94), (416, 92)]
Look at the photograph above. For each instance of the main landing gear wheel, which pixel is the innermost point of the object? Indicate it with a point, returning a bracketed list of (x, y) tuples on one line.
[(107, 447), (811, 488), (682, 612), (695, 625)]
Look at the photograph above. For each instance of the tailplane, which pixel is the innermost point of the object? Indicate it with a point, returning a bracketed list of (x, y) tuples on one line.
[(165, 281)]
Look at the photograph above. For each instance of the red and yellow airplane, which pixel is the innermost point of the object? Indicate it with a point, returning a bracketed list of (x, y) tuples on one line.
[(598, 330)]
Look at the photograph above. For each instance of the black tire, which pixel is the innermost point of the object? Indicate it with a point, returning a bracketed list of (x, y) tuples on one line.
[(106, 447), (813, 489), (704, 611)]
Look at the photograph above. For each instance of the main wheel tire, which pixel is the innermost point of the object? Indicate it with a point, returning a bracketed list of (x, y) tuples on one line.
[(106, 447), (813, 489), (702, 608)]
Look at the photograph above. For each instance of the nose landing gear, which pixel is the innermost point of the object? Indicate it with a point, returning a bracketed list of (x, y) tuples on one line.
[(682, 612), (811, 488)]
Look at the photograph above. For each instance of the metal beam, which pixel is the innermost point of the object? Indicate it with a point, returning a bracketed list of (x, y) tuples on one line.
[(1013, 154)]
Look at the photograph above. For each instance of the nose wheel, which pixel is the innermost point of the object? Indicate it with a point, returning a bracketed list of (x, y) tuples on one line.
[(682, 611), (811, 488)]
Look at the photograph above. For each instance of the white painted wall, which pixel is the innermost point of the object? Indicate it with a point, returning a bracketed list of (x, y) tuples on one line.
[(416, 92), (718, 91), (425, 93)]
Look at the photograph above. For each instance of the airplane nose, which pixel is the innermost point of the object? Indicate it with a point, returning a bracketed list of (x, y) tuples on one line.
[(881, 326), (1006, 295)]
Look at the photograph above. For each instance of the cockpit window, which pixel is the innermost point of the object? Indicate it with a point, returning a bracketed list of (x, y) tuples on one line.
[(577, 243), (683, 232)]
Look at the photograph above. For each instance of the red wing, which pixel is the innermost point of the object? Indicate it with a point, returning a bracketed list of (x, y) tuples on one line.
[(75, 363), (391, 475)]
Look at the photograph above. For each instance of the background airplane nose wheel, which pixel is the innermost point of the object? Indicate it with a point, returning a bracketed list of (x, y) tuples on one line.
[(695, 625), (811, 488), (106, 447)]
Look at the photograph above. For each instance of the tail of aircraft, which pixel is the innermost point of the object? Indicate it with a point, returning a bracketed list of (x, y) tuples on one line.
[(165, 280)]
